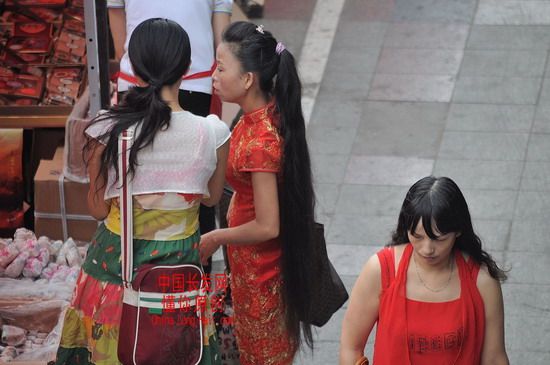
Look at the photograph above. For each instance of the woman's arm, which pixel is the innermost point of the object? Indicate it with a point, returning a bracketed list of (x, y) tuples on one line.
[(216, 182), (117, 23), (494, 350), (97, 206), (362, 313), (263, 228), (220, 21)]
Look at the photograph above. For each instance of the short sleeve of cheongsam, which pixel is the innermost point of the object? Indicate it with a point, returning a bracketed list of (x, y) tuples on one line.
[(262, 154)]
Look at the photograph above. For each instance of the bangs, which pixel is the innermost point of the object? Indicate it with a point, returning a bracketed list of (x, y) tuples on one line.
[(436, 218)]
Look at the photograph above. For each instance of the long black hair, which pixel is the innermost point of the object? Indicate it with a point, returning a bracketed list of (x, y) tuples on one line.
[(160, 54), (439, 201), (257, 51)]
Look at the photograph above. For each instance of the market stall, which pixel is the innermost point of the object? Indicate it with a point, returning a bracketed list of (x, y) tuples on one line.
[(50, 50), (37, 277)]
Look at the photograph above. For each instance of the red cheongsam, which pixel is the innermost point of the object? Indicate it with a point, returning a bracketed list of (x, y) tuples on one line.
[(256, 281)]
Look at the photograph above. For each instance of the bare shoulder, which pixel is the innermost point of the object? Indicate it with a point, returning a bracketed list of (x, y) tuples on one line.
[(369, 277), (368, 285), (372, 267), (487, 285)]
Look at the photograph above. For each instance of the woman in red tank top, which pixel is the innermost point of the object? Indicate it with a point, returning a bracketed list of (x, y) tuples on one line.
[(434, 293)]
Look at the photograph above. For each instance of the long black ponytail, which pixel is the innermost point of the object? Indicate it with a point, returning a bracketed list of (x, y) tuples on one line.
[(160, 53), (259, 52)]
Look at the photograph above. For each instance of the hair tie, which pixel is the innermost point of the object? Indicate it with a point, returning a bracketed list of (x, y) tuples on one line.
[(154, 84), (260, 28), (280, 48)]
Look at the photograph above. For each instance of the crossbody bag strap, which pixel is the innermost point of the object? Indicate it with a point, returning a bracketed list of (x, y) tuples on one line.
[(125, 140)]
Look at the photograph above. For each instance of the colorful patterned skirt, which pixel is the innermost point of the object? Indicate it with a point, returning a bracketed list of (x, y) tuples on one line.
[(91, 327)]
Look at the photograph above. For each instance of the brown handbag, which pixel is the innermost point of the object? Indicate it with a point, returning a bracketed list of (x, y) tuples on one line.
[(362, 361), (329, 292)]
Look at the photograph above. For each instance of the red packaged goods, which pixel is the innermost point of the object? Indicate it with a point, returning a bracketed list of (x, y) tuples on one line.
[(7, 29), (15, 64), (78, 3), (63, 85), (64, 57), (24, 101), (53, 3), (11, 180), (72, 43), (11, 173), (29, 44), (49, 15), (22, 85), (64, 78), (6, 71), (74, 25), (15, 59), (70, 47), (76, 13), (33, 30), (4, 101)]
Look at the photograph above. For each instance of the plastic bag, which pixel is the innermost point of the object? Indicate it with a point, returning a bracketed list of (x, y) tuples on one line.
[(8, 354), (12, 288), (13, 335), (33, 268), (49, 271), (73, 257), (69, 254), (30, 246), (55, 247), (50, 343), (7, 255), (74, 167), (16, 267), (40, 315), (44, 242), (24, 234), (44, 257)]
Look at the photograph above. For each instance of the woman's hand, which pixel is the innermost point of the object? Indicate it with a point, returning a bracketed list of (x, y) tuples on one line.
[(208, 245)]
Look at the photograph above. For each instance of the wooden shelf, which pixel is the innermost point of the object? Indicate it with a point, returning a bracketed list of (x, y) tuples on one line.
[(30, 117)]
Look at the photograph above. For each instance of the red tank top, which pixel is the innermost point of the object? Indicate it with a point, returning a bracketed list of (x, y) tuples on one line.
[(434, 331), (417, 333)]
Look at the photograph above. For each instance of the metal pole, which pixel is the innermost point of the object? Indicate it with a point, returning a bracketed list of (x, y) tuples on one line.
[(103, 52), (96, 49)]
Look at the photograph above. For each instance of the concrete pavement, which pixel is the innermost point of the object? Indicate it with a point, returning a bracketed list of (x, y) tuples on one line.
[(447, 87)]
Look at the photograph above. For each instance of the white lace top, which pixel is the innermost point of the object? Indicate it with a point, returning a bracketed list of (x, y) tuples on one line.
[(181, 159)]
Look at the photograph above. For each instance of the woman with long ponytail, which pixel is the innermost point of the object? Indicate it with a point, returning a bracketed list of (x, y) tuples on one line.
[(177, 160), (271, 216)]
